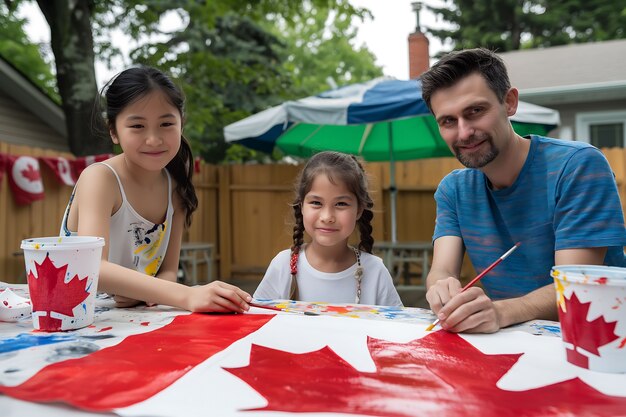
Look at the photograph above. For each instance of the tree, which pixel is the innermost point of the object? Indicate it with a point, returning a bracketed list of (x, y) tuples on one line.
[(72, 44), (506, 25), (226, 57), (23, 55), (234, 58), (319, 47)]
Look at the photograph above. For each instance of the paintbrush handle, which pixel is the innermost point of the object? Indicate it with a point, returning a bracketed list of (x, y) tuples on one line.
[(490, 267), (482, 274), (265, 306), (284, 310)]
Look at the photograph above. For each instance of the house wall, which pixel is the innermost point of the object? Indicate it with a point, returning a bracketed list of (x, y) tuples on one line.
[(20, 126), (568, 114)]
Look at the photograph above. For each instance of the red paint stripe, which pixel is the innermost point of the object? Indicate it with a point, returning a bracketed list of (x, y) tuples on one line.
[(138, 367)]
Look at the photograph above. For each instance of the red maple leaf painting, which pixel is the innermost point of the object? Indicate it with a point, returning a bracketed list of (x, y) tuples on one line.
[(31, 173), (440, 374), (587, 335), (46, 295)]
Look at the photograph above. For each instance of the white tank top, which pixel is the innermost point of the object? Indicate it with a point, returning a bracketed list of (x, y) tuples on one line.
[(134, 242)]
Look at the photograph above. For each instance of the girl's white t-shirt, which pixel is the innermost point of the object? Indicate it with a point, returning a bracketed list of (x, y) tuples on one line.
[(332, 287)]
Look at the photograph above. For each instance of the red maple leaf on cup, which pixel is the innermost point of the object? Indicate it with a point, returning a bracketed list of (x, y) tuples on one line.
[(584, 334), (440, 374), (49, 292)]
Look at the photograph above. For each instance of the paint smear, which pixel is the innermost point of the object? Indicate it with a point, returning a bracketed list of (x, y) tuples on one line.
[(25, 341), (104, 381)]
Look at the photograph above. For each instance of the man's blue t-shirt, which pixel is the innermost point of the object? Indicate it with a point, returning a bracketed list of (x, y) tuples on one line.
[(565, 197)]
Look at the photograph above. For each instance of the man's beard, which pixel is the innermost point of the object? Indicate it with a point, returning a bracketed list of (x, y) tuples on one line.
[(476, 159)]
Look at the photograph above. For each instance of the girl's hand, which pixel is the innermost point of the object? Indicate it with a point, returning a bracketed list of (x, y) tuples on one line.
[(125, 302), (218, 297)]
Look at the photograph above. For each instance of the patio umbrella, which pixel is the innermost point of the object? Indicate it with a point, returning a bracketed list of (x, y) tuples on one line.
[(380, 120)]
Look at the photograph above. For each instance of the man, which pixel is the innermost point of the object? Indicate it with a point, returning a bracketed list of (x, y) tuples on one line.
[(557, 198)]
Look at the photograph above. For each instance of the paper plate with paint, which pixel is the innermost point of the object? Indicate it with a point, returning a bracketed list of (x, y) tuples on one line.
[(12, 306)]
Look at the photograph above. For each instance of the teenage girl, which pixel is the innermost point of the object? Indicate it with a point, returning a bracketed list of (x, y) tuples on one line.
[(141, 199), (331, 200)]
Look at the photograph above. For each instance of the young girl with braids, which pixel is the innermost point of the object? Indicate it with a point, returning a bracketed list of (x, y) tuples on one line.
[(331, 200), (141, 199)]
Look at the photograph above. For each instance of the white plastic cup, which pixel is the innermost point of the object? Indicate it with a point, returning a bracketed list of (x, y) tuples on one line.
[(62, 275), (591, 301)]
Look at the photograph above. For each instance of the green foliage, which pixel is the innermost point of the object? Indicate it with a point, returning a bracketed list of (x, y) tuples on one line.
[(234, 58), (506, 25), (319, 47), (16, 48)]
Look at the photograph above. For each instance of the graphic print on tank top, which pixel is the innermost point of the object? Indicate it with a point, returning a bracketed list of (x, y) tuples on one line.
[(146, 242)]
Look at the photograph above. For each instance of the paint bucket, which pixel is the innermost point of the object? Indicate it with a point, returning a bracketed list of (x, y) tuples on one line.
[(591, 301), (62, 275)]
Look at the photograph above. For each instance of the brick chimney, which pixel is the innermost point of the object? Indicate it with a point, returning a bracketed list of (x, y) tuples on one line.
[(419, 59)]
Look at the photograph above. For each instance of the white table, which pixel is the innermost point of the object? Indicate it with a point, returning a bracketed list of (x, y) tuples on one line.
[(194, 254), (398, 257)]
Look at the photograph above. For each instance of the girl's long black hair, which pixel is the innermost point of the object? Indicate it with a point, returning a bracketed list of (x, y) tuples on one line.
[(131, 85)]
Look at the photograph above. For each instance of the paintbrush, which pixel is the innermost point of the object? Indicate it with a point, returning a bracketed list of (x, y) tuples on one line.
[(285, 310), (479, 276)]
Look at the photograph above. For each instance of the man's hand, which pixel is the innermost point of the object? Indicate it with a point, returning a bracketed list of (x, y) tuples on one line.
[(470, 311), (440, 293)]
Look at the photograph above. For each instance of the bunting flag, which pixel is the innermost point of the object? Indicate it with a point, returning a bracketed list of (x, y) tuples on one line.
[(24, 179), (2, 166), (25, 175), (61, 168), (79, 164)]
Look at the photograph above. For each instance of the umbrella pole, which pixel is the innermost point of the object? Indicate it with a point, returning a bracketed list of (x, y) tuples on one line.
[(392, 186)]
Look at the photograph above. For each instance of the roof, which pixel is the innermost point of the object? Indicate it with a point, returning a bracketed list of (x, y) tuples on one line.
[(584, 72), (22, 90)]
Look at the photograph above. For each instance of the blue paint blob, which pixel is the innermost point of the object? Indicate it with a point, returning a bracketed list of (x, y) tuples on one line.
[(25, 341)]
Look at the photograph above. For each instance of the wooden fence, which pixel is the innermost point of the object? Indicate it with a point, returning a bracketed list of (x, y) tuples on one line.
[(245, 209)]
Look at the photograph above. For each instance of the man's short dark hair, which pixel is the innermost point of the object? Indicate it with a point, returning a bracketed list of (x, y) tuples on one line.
[(459, 64)]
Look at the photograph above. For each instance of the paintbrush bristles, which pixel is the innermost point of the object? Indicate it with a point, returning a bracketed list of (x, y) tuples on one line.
[(432, 325)]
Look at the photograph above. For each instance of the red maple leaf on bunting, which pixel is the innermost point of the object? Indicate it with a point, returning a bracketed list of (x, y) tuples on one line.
[(588, 335), (31, 173), (440, 374), (44, 294)]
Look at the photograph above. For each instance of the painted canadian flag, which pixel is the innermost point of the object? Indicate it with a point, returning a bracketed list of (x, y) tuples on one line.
[(25, 179), (287, 365)]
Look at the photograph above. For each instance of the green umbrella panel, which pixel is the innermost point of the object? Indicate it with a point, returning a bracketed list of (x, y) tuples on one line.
[(397, 140)]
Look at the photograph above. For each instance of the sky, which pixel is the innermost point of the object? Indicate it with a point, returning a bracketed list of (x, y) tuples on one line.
[(385, 35)]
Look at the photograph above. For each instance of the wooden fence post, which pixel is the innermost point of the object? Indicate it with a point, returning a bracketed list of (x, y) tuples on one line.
[(225, 219)]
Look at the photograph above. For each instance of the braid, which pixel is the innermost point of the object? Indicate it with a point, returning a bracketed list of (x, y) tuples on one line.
[(298, 240), (298, 228), (181, 168), (365, 230), (365, 221)]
